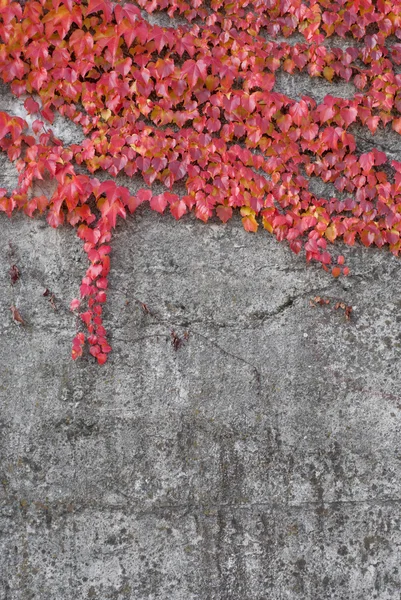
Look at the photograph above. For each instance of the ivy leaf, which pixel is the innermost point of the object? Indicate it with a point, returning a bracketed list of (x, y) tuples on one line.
[(142, 195), (367, 161), (159, 203), (178, 208), (284, 122), (111, 209), (178, 169), (298, 112), (31, 106), (396, 125), (330, 136), (209, 119), (248, 219), (101, 358), (194, 70), (132, 13), (224, 212), (95, 6), (349, 115), (17, 316), (14, 274), (55, 218), (75, 303)]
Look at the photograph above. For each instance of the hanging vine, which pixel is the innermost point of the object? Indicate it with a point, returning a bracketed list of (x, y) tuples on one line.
[(196, 104)]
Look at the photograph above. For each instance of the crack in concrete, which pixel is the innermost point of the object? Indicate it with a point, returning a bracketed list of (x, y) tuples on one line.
[(255, 370), (261, 318)]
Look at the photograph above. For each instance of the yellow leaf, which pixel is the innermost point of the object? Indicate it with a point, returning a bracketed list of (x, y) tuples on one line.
[(267, 225), (331, 232), (328, 73), (248, 219)]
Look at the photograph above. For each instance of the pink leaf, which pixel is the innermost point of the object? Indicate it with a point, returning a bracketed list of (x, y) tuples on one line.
[(159, 203)]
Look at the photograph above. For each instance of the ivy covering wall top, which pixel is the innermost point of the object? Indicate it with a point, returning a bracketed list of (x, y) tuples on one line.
[(193, 107)]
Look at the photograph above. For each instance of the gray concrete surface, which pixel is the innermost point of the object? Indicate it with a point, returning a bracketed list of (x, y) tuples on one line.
[(260, 461)]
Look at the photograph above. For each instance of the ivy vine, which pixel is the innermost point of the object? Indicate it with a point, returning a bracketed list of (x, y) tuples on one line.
[(195, 104)]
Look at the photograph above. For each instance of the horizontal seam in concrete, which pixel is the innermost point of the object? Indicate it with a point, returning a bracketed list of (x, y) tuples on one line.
[(207, 508)]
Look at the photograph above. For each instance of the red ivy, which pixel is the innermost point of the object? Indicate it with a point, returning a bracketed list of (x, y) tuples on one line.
[(197, 105)]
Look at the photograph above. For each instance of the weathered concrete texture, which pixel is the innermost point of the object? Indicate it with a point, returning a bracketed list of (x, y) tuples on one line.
[(259, 461)]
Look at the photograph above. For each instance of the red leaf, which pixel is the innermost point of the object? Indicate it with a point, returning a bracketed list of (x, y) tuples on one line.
[(17, 315), (111, 209), (372, 123), (134, 201), (75, 303), (159, 203), (37, 78), (367, 161), (101, 358), (178, 209), (330, 137), (103, 250), (47, 114), (178, 169), (349, 115), (14, 274), (100, 5), (55, 218), (94, 350), (194, 70), (310, 131), (77, 344), (224, 212), (326, 112), (284, 122), (380, 157), (37, 125), (31, 106), (86, 317), (396, 125), (102, 283), (299, 112)]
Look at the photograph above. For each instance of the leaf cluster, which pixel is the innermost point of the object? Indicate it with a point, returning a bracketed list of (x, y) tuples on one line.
[(196, 105)]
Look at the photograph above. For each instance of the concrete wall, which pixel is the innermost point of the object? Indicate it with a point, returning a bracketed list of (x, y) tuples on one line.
[(260, 461)]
